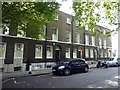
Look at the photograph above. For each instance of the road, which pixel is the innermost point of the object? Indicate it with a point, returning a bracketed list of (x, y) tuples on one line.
[(95, 78)]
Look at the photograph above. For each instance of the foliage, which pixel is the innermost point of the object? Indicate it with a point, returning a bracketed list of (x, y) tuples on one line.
[(28, 16), (89, 13)]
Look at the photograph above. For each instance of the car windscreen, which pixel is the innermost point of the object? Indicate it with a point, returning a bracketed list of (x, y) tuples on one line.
[(110, 59), (64, 62)]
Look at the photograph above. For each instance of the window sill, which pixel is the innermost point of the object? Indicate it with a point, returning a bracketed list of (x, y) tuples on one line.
[(2, 58), (38, 57), (49, 58), (18, 58)]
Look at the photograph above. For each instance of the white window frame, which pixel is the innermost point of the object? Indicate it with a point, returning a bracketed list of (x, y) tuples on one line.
[(105, 53), (3, 50), (91, 53), (86, 27), (67, 53), (23, 34), (100, 43), (15, 53), (86, 53), (55, 36), (40, 51), (56, 17), (51, 47), (77, 38), (76, 22), (1, 30), (101, 53), (44, 32), (93, 40), (74, 53), (87, 39), (4, 32), (68, 37), (104, 43), (68, 21), (104, 32)]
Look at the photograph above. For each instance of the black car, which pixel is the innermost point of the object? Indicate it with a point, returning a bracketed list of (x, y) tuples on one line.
[(70, 66)]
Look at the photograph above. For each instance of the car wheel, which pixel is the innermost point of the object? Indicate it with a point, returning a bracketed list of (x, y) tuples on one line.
[(66, 72), (86, 69), (116, 64)]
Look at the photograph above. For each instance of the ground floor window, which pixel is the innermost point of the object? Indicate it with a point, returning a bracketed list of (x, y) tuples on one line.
[(86, 53), (101, 54), (38, 51), (74, 53), (49, 51), (91, 53), (18, 51), (2, 50), (67, 52), (105, 53)]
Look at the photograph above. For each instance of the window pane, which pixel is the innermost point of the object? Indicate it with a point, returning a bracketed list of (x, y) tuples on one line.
[(49, 52), (101, 54), (68, 36), (68, 20), (93, 40), (38, 51), (42, 35), (91, 53), (86, 53), (86, 27), (100, 42), (87, 39), (67, 52), (77, 38), (77, 22), (18, 50), (74, 53), (104, 43), (55, 34), (2, 50)]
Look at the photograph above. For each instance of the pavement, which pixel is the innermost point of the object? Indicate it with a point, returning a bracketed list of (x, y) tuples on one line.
[(33, 73)]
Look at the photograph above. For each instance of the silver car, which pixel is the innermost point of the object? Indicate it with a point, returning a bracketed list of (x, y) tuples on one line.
[(113, 61)]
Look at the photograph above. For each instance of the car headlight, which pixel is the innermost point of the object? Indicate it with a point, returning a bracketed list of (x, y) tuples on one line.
[(61, 67)]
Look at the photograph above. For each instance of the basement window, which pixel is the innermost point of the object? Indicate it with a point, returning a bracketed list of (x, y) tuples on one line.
[(17, 68)]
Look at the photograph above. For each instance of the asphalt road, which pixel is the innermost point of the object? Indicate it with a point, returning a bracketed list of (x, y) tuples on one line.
[(95, 78)]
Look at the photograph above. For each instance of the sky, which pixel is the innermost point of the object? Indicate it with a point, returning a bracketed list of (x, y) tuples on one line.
[(66, 6)]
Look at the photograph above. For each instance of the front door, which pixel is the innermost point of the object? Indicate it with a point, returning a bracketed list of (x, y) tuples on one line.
[(57, 55), (79, 54)]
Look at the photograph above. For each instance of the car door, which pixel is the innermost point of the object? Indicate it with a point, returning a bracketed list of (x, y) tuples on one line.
[(74, 66), (118, 59), (82, 64)]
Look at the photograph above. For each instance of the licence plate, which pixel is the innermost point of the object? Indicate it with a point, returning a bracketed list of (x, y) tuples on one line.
[(53, 70)]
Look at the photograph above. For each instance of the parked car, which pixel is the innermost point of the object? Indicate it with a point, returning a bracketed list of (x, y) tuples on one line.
[(113, 61), (70, 66)]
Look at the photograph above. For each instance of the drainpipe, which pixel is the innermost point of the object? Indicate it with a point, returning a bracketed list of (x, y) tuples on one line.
[(84, 42), (45, 45), (72, 22)]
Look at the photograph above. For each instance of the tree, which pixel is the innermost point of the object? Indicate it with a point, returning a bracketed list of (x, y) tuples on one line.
[(89, 13), (28, 17)]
